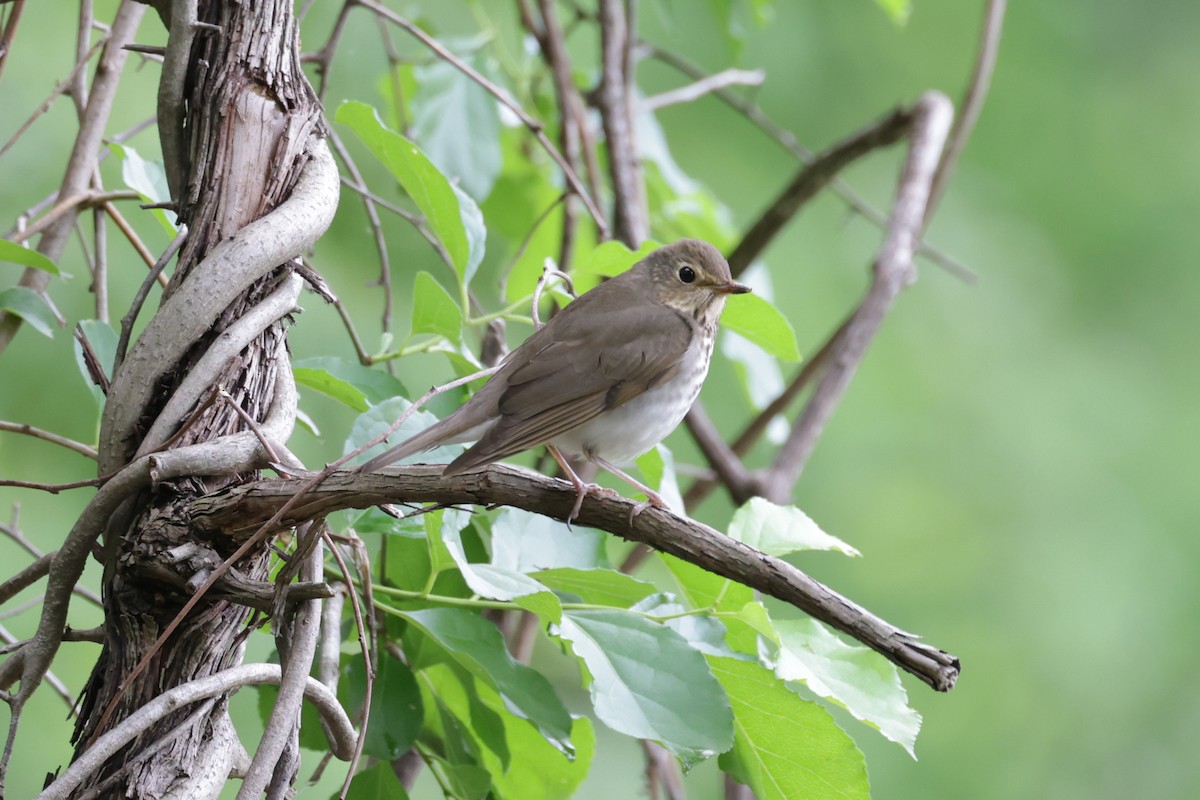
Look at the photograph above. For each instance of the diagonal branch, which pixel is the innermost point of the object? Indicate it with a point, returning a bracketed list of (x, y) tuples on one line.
[(893, 270), (810, 179), (244, 507)]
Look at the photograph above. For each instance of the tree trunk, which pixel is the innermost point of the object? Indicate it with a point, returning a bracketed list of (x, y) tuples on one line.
[(251, 124)]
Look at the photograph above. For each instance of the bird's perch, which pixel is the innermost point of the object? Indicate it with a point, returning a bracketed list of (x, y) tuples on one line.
[(246, 507)]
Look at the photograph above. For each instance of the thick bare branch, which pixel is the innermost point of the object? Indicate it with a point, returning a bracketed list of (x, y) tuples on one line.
[(229, 268), (630, 218), (247, 506)]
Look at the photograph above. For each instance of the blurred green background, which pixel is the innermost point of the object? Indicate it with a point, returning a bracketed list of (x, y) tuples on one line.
[(1015, 459)]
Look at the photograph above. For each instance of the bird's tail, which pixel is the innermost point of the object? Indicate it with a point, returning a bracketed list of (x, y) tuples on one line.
[(446, 431)]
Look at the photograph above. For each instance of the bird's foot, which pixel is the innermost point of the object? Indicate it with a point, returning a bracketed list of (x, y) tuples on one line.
[(582, 490), (652, 499)]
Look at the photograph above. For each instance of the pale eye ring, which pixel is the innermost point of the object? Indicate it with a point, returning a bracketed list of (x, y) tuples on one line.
[(687, 274)]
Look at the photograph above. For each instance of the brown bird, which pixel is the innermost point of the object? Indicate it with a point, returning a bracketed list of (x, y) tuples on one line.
[(606, 379)]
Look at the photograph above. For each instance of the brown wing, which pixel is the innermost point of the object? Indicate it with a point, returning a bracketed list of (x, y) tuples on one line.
[(559, 379)]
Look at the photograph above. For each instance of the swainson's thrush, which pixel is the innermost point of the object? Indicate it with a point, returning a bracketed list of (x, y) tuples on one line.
[(607, 378)]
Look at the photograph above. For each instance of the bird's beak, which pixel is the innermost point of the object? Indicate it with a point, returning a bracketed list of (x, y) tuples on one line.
[(730, 287)]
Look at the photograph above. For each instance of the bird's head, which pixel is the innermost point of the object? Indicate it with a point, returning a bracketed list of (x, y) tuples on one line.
[(692, 277)]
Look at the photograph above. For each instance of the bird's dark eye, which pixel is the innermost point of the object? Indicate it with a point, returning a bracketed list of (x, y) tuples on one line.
[(687, 274)]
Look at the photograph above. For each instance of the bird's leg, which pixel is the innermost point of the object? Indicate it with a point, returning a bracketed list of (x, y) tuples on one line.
[(581, 488), (653, 498)]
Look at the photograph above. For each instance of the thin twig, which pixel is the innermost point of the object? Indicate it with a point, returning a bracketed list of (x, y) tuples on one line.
[(787, 140), (87, 199), (133, 238), (535, 127), (360, 186), (707, 85), (554, 51), (54, 438), (58, 89), (972, 103)]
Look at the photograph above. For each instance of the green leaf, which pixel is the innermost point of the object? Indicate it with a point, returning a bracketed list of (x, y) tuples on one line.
[(602, 587), (784, 746), (376, 420), (452, 747), (16, 254), (375, 782), (762, 323), (748, 627), (760, 378), (477, 645), (480, 740), (780, 530), (856, 678), (612, 258), (898, 10), (148, 179), (347, 381), (29, 306), (443, 526), (703, 633), (406, 561), (473, 225), (423, 182), (703, 589), (607, 260), (536, 770), (434, 310), (498, 583), (648, 682), (526, 542), (658, 468), (396, 706), (457, 122)]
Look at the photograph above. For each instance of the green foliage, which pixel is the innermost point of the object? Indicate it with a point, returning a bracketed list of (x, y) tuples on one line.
[(16, 254), (459, 124), (898, 10), (756, 319), (781, 530), (348, 382), (147, 178), (453, 216), (783, 746), (29, 306), (434, 310)]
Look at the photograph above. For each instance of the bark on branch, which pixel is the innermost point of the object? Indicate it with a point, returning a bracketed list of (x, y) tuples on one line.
[(244, 508)]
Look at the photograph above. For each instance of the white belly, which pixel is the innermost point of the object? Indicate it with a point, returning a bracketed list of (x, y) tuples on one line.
[(626, 432)]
